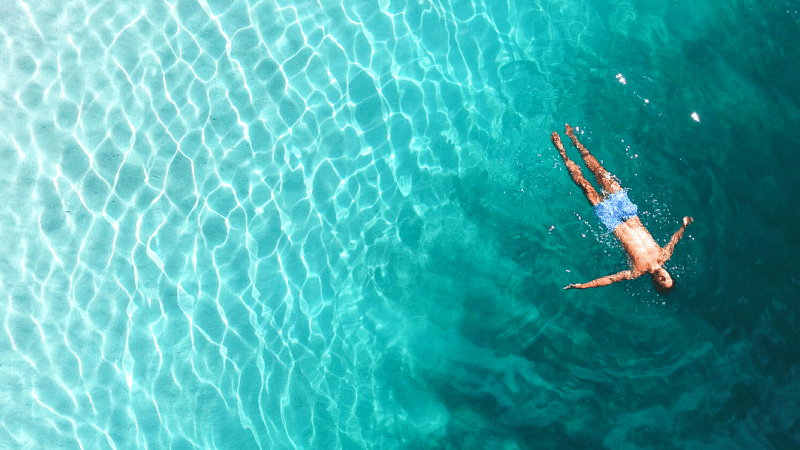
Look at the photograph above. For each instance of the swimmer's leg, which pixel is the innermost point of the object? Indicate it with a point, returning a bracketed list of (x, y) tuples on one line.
[(575, 172), (604, 178)]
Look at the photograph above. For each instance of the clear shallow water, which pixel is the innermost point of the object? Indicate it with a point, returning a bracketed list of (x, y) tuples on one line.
[(342, 225)]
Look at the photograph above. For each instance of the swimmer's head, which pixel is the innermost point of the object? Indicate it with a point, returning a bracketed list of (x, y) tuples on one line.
[(662, 281)]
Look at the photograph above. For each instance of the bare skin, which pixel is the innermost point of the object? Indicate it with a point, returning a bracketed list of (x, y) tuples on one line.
[(644, 254)]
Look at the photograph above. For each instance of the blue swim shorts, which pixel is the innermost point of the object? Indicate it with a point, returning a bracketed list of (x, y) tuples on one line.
[(615, 209)]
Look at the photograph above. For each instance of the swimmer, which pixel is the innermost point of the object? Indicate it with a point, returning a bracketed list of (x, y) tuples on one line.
[(619, 215)]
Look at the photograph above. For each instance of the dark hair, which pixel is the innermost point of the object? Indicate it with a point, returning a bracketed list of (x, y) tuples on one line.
[(661, 289)]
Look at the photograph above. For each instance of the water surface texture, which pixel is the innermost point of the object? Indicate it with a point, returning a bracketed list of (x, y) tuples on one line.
[(341, 225)]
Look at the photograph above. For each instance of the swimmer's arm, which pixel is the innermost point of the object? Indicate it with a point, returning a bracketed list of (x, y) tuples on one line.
[(666, 252), (606, 280)]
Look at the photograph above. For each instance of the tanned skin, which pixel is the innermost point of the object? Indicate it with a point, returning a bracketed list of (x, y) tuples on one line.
[(644, 254)]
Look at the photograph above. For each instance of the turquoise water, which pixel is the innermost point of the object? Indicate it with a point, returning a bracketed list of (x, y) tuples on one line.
[(342, 225)]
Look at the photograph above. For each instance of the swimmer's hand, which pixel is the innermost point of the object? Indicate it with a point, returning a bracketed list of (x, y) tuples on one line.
[(666, 252), (606, 280)]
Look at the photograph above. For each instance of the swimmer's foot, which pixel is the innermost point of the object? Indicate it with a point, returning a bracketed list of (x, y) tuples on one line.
[(575, 141), (570, 131), (559, 146)]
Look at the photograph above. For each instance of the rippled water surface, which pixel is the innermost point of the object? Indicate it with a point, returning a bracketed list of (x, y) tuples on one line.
[(341, 225)]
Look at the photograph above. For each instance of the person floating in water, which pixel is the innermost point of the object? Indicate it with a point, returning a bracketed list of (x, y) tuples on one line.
[(619, 215)]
